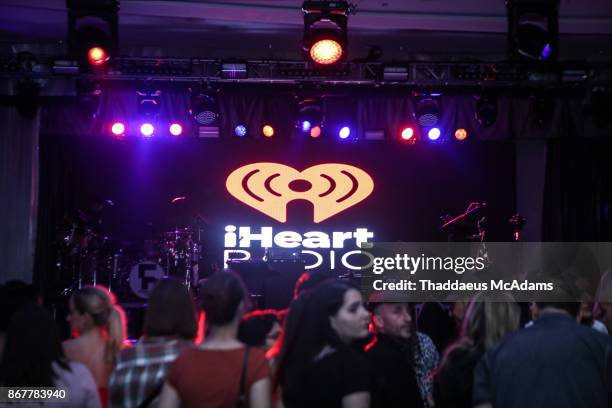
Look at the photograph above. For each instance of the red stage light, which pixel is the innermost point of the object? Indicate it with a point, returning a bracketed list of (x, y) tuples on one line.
[(118, 128), (97, 56), (315, 132), (407, 133), (461, 134), (326, 52)]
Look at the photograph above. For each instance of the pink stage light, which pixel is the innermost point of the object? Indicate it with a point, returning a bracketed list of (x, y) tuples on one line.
[(407, 133), (176, 129), (118, 128)]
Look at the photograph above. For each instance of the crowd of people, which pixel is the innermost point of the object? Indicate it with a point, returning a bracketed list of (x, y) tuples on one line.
[(330, 348)]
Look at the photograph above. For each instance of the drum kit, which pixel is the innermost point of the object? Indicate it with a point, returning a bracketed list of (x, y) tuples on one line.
[(129, 270)]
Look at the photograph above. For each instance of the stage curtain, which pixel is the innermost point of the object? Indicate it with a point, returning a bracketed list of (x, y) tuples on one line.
[(361, 109), (57, 198), (578, 190), (18, 194)]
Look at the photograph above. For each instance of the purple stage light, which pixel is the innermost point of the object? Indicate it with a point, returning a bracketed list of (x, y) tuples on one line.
[(240, 131), (344, 132), (546, 51), (147, 129), (433, 134)]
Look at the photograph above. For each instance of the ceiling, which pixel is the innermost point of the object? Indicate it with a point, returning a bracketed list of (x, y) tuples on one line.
[(267, 29)]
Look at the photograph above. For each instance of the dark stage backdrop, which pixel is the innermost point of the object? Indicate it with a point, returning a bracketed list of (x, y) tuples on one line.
[(578, 190), (413, 186)]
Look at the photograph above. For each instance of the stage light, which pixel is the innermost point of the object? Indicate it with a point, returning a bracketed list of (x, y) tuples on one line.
[(325, 31), (204, 107), (97, 56), (118, 128), (148, 98), (428, 111), (176, 129), (309, 113), (147, 129), (486, 110), (93, 31), (433, 134), (234, 70), (268, 131), (394, 73), (240, 131), (407, 133), (461, 134), (344, 132), (533, 29), (205, 117), (326, 52), (315, 132)]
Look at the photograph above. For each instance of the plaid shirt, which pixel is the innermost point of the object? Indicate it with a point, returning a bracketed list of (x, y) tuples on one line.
[(141, 369)]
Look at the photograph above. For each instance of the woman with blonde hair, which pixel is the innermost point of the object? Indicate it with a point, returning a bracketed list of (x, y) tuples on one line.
[(98, 327), (486, 321)]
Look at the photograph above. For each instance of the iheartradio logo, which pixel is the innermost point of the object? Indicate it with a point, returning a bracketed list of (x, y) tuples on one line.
[(269, 187)]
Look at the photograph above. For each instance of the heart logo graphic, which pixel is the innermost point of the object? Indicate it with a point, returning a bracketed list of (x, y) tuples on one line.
[(269, 187)]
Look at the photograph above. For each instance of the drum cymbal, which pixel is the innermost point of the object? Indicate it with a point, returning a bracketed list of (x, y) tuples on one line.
[(179, 232)]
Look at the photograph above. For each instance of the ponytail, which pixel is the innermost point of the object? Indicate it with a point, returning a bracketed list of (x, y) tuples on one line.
[(116, 333), (99, 303)]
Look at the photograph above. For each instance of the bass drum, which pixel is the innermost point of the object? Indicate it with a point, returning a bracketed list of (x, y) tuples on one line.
[(143, 277)]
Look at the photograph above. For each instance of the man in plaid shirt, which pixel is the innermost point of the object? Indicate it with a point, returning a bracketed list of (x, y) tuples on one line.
[(170, 327)]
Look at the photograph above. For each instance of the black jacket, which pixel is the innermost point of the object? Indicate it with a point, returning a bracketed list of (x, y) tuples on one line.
[(395, 384)]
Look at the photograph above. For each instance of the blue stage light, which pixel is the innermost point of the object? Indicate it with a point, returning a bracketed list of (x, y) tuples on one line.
[(344, 132), (433, 134), (240, 131)]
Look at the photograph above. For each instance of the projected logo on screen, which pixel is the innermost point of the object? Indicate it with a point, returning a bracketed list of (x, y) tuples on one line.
[(269, 187)]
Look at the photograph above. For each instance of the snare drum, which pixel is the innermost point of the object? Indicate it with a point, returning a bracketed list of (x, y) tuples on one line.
[(143, 277)]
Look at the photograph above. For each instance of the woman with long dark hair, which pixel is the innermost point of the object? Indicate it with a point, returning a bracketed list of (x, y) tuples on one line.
[(317, 365), (221, 372), (33, 357)]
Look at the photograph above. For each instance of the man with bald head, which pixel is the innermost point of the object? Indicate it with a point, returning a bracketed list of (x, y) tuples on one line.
[(401, 357)]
